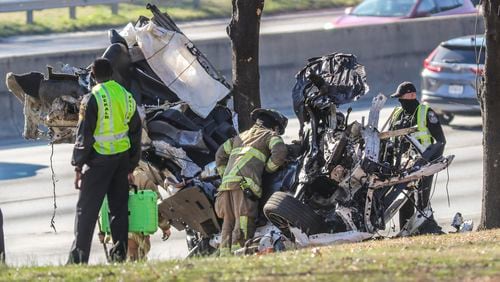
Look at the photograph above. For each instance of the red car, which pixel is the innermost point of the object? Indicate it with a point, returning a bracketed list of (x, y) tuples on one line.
[(386, 11)]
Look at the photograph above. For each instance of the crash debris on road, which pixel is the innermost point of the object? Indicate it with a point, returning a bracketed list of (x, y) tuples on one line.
[(343, 181)]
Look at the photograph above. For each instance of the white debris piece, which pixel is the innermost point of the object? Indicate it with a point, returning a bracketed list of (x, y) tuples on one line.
[(328, 239), (177, 155), (462, 225), (129, 34), (167, 53)]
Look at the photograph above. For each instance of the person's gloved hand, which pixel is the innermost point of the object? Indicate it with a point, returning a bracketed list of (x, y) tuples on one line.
[(166, 234), (131, 178), (78, 178)]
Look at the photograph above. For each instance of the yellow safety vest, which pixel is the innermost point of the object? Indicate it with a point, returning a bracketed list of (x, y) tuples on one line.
[(116, 106), (422, 135)]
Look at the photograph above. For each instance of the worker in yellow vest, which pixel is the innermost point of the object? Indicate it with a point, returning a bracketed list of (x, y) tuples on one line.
[(241, 161), (107, 149), (430, 136)]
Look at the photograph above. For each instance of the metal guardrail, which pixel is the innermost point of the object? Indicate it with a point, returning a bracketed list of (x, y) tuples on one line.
[(31, 5)]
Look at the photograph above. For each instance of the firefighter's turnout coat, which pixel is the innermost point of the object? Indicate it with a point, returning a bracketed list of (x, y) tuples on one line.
[(241, 161)]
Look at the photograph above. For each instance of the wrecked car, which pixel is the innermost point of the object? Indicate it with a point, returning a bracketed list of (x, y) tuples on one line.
[(340, 178), (345, 176), (182, 100)]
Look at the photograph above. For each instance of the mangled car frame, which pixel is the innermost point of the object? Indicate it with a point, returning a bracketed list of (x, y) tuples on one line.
[(340, 178)]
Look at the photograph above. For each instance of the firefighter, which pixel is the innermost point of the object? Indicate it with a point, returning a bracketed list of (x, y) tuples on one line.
[(241, 162), (107, 149), (429, 134), (139, 244)]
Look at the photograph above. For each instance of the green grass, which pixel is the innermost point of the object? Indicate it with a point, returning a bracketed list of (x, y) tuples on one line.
[(98, 17), (455, 257)]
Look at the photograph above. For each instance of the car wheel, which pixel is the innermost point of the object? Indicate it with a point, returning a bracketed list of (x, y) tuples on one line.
[(446, 118), (283, 210)]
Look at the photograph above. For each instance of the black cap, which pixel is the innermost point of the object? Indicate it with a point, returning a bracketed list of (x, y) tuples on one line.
[(403, 88)]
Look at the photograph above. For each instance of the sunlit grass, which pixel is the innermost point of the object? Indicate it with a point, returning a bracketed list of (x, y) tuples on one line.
[(455, 257), (98, 17)]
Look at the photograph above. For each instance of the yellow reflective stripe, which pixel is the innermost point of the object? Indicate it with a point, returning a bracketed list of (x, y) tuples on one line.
[(396, 114), (228, 146), (111, 123), (110, 138), (254, 187), (423, 135), (244, 226), (249, 151), (221, 169), (275, 140), (271, 166), (238, 164), (420, 134), (230, 179), (100, 109)]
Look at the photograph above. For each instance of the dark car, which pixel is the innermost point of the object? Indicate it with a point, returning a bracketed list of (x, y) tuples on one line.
[(386, 11), (450, 75)]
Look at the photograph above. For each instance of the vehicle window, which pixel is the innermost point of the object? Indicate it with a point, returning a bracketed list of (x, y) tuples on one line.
[(384, 8), (427, 7), (458, 55), (450, 4)]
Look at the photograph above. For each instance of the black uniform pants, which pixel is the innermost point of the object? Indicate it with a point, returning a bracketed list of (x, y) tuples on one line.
[(424, 192), (2, 242), (106, 175)]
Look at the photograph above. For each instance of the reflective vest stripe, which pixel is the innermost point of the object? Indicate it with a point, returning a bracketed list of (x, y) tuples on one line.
[(126, 104), (424, 136), (228, 146), (270, 166), (102, 126), (244, 226), (251, 151), (229, 179), (112, 149), (274, 140), (221, 169), (253, 186), (110, 138)]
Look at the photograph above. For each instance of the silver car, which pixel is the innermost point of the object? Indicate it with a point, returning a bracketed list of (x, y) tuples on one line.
[(449, 77)]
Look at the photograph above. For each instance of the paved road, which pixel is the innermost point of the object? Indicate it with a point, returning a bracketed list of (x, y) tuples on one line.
[(17, 46), (26, 195)]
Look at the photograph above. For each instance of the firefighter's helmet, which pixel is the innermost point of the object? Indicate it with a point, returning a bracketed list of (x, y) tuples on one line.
[(265, 114)]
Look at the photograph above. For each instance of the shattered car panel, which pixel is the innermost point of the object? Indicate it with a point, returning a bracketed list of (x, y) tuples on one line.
[(345, 174), (181, 99), (339, 175)]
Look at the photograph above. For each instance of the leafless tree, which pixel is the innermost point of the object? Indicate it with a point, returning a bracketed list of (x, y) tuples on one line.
[(490, 107), (244, 33)]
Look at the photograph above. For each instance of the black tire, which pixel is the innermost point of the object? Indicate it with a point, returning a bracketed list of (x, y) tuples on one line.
[(446, 118), (282, 209)]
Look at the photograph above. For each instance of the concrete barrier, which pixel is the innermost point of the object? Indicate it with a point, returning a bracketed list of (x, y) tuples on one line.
[(391, 53)]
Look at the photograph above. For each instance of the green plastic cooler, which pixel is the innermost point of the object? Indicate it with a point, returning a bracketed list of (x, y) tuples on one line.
[(142, 212)]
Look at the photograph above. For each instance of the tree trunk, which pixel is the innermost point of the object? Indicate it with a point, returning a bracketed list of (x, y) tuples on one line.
[(244, 33), (490, 105)]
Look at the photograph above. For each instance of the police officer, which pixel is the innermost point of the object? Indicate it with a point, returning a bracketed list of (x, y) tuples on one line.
[(430, 135), (106, 151), (241, 161)]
